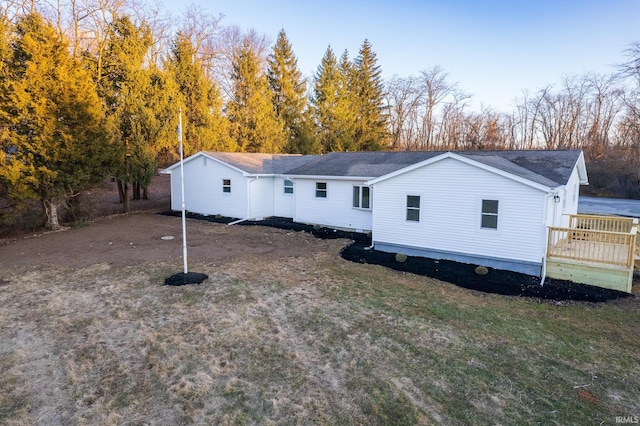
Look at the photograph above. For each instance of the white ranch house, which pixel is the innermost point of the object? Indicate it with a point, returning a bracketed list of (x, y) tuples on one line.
[(489, 208)]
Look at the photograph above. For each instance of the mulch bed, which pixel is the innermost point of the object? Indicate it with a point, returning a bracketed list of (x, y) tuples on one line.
[(183, 278), (461, 274)]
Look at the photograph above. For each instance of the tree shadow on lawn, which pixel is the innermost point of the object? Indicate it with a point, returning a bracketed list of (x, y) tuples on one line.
[(497, 281)]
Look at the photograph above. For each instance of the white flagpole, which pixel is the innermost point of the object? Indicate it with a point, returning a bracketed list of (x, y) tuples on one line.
[(184, 220)]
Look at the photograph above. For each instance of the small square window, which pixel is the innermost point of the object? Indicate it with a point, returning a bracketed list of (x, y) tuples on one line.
[(489, 218), (321, 189), (226, 185), (288, 186), (413, 208)]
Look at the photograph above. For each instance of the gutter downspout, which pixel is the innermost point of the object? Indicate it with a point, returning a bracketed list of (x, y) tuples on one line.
[(295, 198), (372, 246)]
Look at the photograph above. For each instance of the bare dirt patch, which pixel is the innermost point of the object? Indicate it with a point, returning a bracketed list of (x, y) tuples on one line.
[(137, 239), (140, 237)]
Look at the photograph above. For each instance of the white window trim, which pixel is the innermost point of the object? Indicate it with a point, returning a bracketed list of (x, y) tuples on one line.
[(406, 208), (325, 190), (226, 186), (359, 207), (480, 214), (285, 187)]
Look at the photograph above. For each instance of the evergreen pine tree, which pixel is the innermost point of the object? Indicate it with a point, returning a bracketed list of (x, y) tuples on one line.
[(204, 127), (371, 132), (138, 100), (288, 89), (332, 104), (254, 124), (54, 137)]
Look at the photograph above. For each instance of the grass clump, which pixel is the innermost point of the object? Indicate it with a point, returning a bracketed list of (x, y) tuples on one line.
[(401, 257), (481, 270)]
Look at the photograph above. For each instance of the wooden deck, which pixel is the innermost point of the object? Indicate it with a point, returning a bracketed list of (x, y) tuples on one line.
[(595, 250)]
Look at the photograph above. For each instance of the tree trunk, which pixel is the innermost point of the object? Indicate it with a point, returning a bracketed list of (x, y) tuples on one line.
[(125, 194), (136, 190), (51, 211), (145, 193), (75, 207), (120, 186)]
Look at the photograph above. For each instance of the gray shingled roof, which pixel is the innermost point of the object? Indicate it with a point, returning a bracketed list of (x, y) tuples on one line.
[(549, 168), (545, 167), (256, 163), (362, 164), (553, 165)]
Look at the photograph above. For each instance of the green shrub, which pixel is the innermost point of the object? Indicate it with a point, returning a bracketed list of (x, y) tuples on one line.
[(481, 270), (401, 257)]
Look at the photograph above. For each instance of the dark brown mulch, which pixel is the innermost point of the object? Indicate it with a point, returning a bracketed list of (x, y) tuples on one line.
[(497, 281)]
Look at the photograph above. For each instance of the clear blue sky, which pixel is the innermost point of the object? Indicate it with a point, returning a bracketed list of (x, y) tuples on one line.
[(493, 49)]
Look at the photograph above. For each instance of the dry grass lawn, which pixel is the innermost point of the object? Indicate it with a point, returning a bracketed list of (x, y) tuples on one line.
[(303, 339)]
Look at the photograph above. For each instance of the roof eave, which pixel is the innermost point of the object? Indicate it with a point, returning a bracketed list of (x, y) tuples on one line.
[(175, 165), (327, 177), (582, 169)]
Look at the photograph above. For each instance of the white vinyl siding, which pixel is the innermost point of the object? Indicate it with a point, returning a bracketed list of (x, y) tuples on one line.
[(558, 213), (203, 189), (261, 197), (336, 210), (452, 189), (283, 202)]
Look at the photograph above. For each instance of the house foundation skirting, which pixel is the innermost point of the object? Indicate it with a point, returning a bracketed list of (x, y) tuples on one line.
[(522, 266)]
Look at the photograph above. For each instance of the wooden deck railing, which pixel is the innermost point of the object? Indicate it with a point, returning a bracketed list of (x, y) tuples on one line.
[(601, 223), (612, 248)]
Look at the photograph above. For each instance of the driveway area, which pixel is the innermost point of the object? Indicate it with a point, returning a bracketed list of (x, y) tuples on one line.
[(613, 206)]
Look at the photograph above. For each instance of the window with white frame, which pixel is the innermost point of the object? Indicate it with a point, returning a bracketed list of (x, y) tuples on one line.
[(288, 186), (362, 197), (226, 185), (321, 189), (413, 208), (489, 215)]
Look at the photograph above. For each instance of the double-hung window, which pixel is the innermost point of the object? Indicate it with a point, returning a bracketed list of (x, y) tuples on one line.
[(321, 189), (288, 186), (489, 215), (226, 185), (362, 197), (413, 208)]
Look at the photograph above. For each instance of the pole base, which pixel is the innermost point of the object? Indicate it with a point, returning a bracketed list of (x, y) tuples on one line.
[(183, 279)]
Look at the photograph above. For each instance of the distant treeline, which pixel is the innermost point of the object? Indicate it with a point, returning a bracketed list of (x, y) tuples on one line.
[(92, 89)]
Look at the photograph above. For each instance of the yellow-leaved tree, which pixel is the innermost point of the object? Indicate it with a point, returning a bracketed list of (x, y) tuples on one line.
[(55, 140)]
